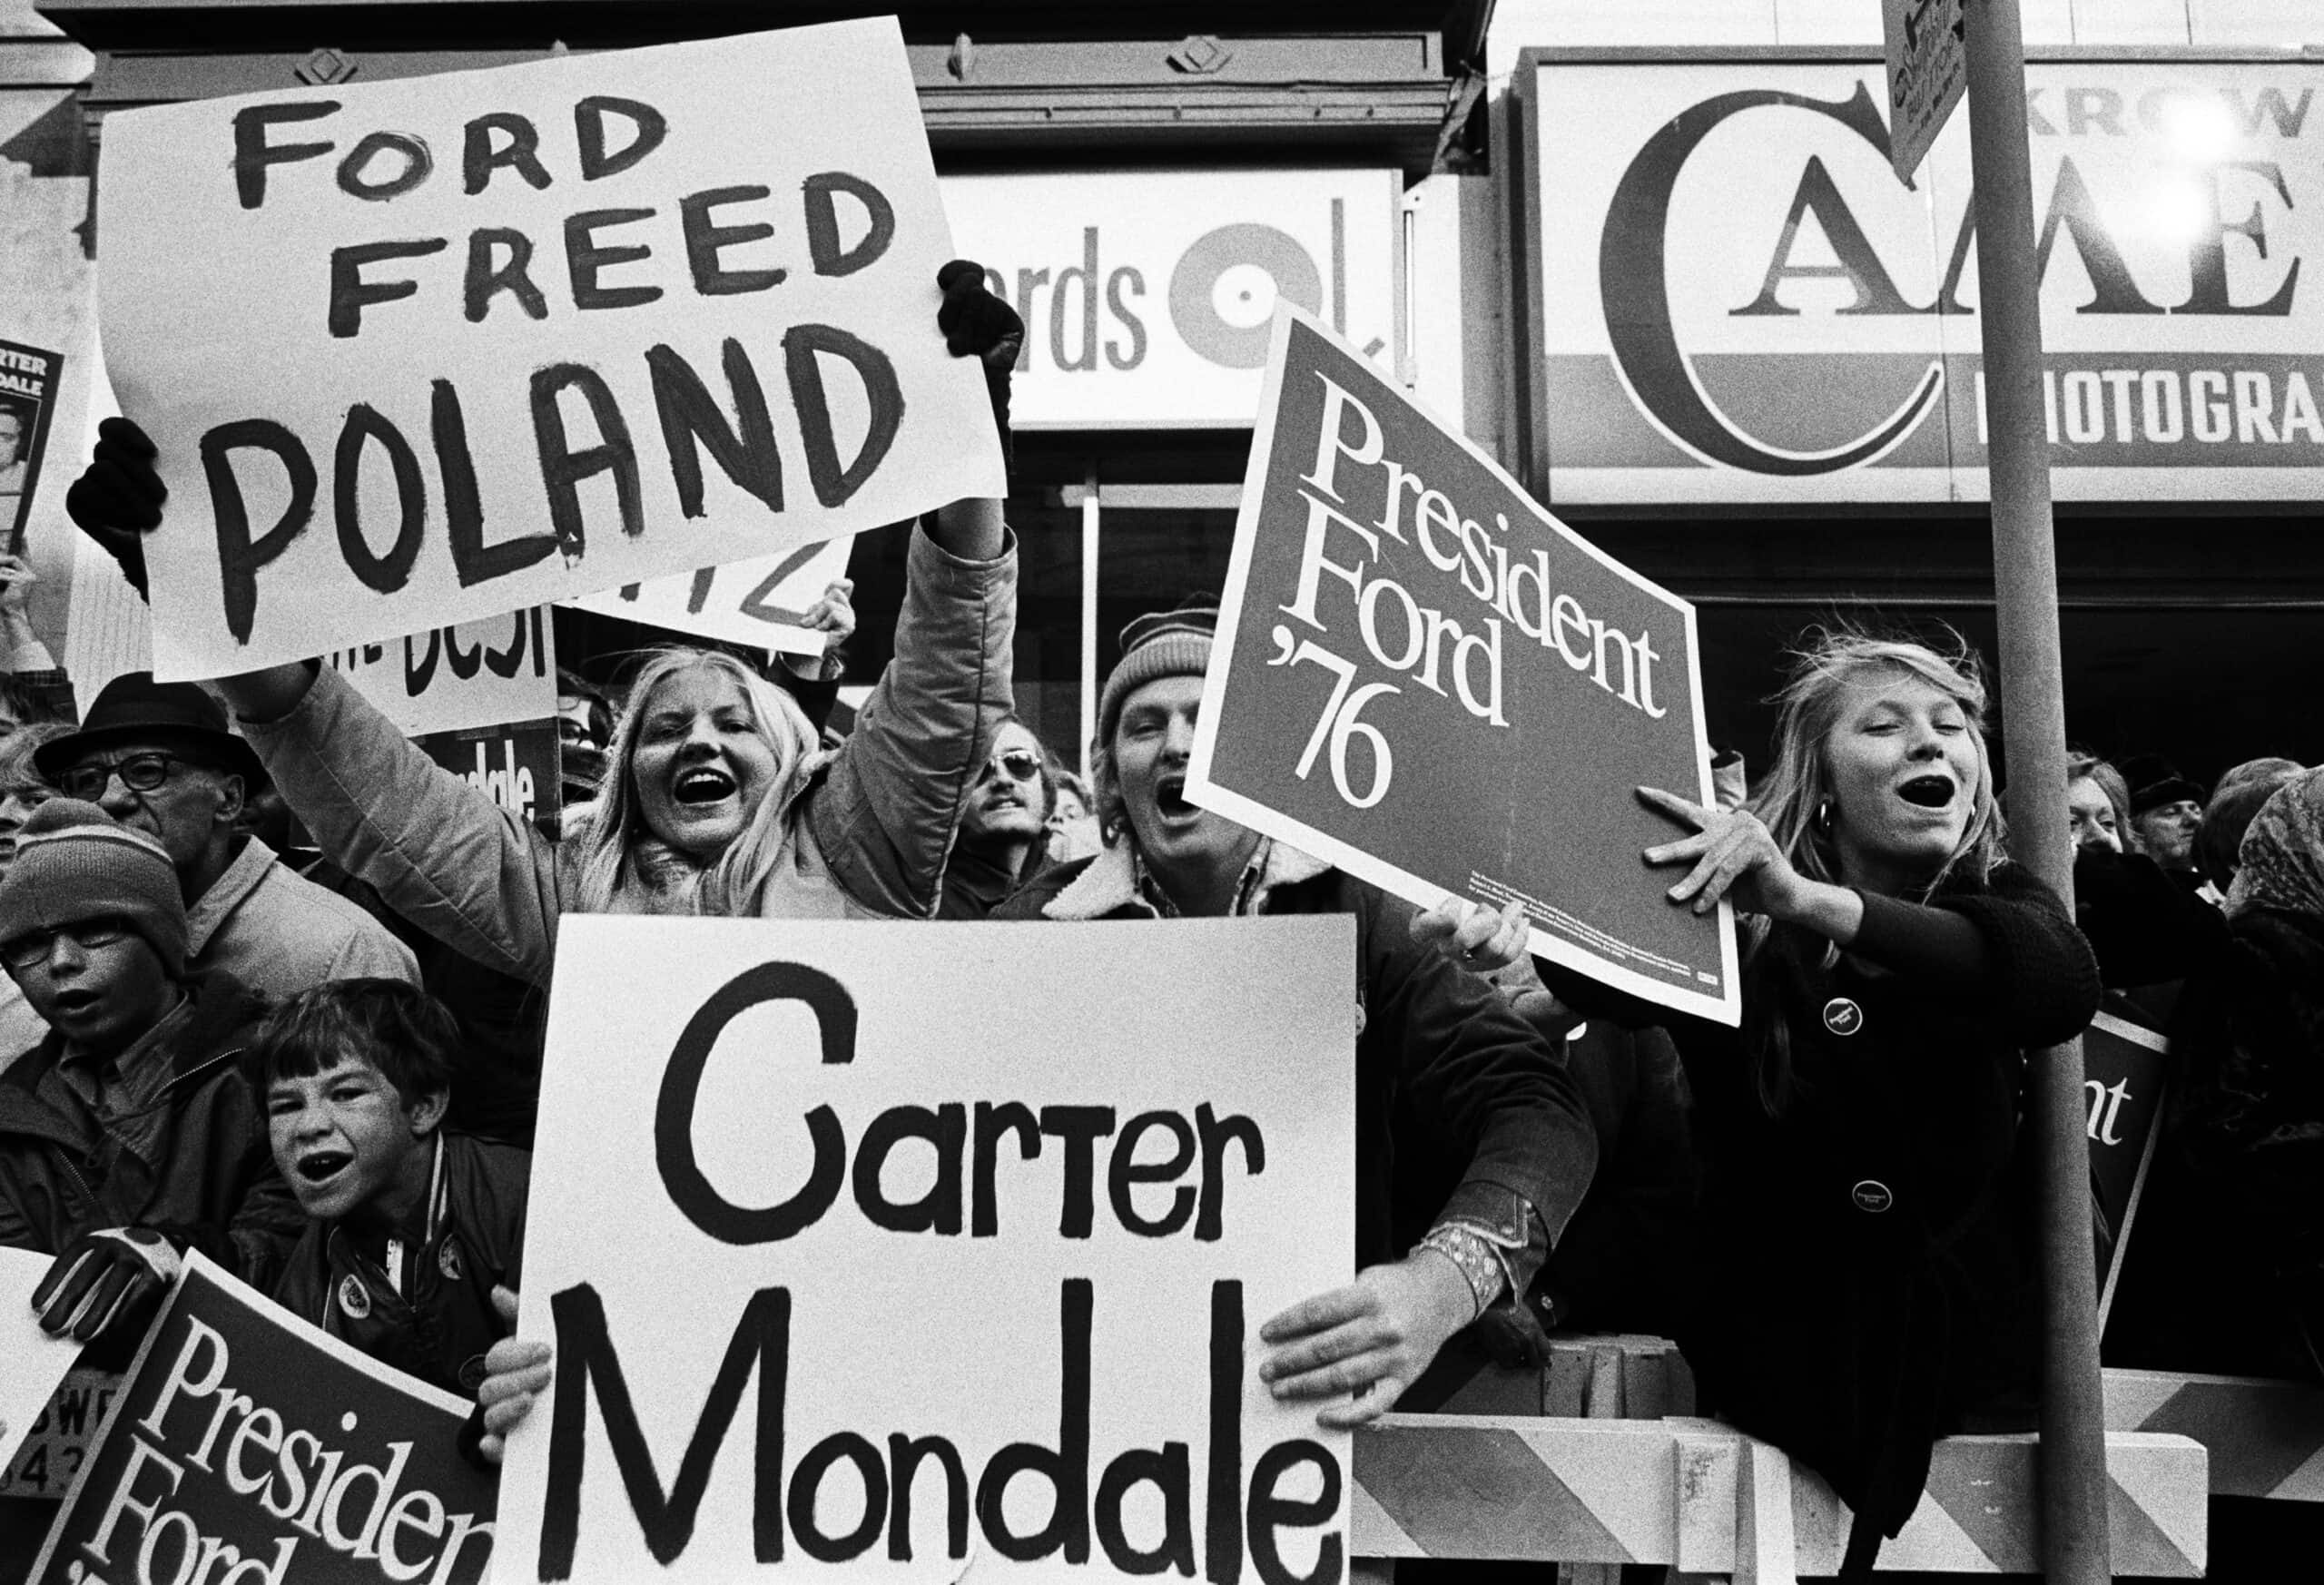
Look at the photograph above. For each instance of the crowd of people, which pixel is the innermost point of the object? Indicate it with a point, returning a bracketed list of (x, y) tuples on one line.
[(319, 1069)]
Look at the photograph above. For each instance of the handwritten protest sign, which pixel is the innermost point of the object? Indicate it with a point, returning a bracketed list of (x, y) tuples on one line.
[(32, 1362), (425, 350), (996, 1266), (250, 1448), (1423, 677), (2123, 1067), (759, 603), (478, 673)]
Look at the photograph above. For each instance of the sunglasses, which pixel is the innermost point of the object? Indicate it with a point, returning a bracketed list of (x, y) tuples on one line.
[(140, 772), (32, 949), (1019, 764)]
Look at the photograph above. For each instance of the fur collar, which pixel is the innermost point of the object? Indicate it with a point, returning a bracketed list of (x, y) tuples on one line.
[(1108, 885)]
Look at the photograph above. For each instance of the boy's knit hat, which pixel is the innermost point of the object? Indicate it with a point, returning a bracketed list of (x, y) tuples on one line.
[(1160, 644), (74, 861)]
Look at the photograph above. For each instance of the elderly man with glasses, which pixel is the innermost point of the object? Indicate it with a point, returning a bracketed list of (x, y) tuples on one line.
[(158, 758)]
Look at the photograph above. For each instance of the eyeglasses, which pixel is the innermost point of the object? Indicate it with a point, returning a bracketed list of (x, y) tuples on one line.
[(140, 772), (1019, 765), (26, 951)]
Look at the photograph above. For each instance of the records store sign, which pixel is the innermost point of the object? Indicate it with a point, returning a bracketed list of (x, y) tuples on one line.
[(1728, 296), (1148, 296)]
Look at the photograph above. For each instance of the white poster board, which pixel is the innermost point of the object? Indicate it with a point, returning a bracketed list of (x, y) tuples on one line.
[(478, 673), (32, 1362), (425, 350), (785, 1234), (758, 603)]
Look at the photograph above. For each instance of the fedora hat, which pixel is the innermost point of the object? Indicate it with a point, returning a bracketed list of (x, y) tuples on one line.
[(134, 706)]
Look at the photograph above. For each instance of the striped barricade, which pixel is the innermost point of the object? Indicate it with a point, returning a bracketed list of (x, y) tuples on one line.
[(2266, 1438), (1698, 1496)]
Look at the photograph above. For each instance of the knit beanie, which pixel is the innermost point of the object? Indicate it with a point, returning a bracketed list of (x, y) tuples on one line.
[(1160, 644), (74, 861)]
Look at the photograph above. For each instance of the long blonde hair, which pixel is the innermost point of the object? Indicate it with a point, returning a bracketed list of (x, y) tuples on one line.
[(1795, 803), (733, 883)]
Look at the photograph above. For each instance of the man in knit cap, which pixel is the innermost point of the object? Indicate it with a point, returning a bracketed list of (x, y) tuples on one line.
[(1473, 1146), (128, 1136)]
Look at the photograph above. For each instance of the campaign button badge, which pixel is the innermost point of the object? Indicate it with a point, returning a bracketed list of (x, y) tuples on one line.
[(354, 1298), (1872, 1195), (1843, 1017), (447, 1259)]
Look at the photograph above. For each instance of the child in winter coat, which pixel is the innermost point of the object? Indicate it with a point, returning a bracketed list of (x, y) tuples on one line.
[(127, 1136), (410, 1227)]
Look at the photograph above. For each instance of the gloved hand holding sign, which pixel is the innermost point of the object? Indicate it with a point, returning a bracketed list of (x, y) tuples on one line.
[(107, 1281)]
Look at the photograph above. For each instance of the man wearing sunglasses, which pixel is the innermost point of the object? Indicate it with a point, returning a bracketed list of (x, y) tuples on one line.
[(1004, 831), (158, 758)]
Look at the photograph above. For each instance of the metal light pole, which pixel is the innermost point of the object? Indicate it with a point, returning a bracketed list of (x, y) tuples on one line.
[(2074, 1549)]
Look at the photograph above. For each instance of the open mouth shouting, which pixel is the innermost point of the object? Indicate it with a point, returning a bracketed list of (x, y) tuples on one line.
[(700, 784), (1932, 791), (1170, 798), (316, 1168)]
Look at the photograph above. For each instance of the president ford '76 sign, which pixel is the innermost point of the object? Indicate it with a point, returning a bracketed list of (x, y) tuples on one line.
[(911, 1274), (1426, 679)]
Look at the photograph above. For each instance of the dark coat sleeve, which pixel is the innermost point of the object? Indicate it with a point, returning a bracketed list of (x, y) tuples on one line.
[(2144, 927), (2041, 980), (1489, 1084)]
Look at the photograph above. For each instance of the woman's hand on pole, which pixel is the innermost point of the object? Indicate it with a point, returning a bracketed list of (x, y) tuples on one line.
[(1360, 1346)]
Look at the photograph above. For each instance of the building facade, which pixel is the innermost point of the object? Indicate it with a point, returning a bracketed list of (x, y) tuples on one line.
[(1756, 380)]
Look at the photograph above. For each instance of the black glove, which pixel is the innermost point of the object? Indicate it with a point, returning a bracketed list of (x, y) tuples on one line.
[(1511, 1337), (977, 324), (105, 1283), (118, 497)]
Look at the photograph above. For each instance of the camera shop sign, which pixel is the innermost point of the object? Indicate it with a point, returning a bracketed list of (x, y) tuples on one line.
[(908, 1274), (422, 351), (1730, 297)]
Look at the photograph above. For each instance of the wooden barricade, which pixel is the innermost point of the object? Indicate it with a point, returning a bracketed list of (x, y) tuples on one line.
[(2266, 1438), (1700, 1497)]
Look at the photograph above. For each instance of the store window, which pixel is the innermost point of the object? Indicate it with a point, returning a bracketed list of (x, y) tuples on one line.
[(1107, 527)]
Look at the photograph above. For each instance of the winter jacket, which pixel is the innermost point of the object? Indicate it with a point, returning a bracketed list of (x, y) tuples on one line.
[(1463, 1110), (2144, 925), (280, 934), (975, 885), (1862, 1271), (2241, 1172), (194, 1163), (867, 834), (434, 1318)]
